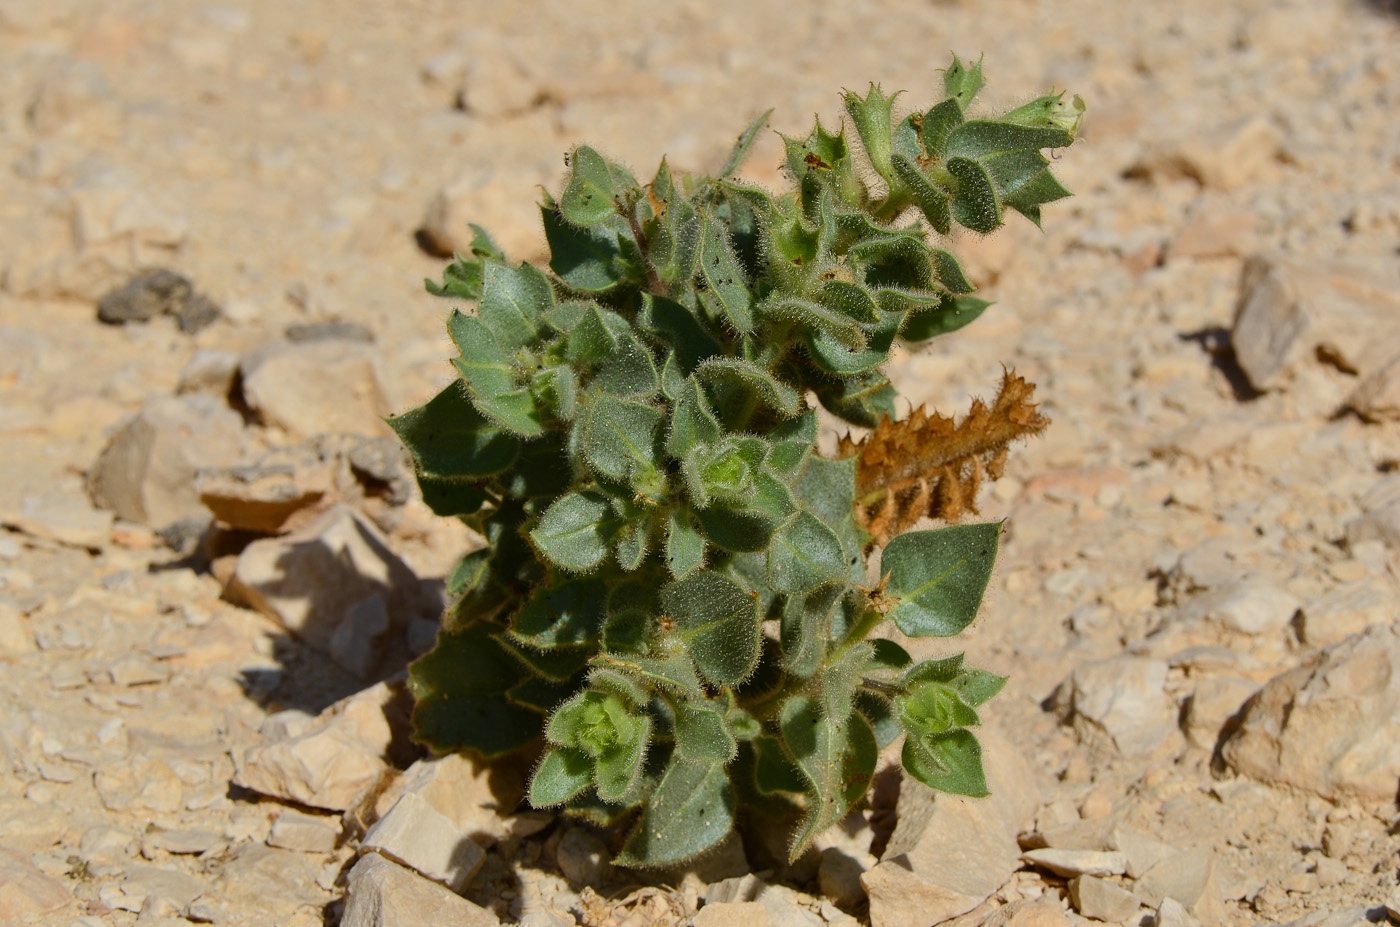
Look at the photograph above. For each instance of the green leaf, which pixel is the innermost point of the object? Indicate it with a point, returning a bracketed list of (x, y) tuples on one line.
[(949, 271), (814, 317), (459, 689), (570, 612), (871, 117), (747, 378), (619, 770), (805, 629), (1050, 112), (691, 810), (860, 400), (725, 284), (562, 774), (593, 338), (685, 545), (718, 621), (878, 711), (888, 656), (450, 440), (774, 771), (556, 664), (1030, 196), (629, 371), (556, 389), (676, 243), (837, 757), (590, 196), (634, 537), (975, 204), (680, 327), (513, 302), (939, 577), (673, 674), (576, 531), (621, 438), (803, 555), (950, 762), (737, 529), (962, 83), (692, 422), (471, 572), (982, 139), (936, 126), (976, 686), (743, 144), (951, 314), (701, 733), (585, 259), (483, 365), (517, 410), (793, 442)]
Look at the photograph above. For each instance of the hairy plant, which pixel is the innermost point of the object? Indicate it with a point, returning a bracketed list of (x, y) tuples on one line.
[(673, 594)]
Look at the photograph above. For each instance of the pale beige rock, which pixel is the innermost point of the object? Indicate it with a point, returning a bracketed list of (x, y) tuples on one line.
[(445, 226), (1214, 701), (356, 645), (839, 877), (1070, 863), (1122, 699), (25, 891), (1102, 900), (181, 842), (64, 519), (15, 636), (1229, 157), (1026, 912), (74, 96), (1172, 913), (1289, 314), (137, 670), (1377, 397), (1215, 227), (306, 833), (306, 389), (308, 581), (582, 857), (930, 870), (416, 835), (333, 764), (1344, 610), (1330, 726), (784, 906), (382, 893), (1189, 878), (146, 473), (732, 914), (211, 371), (140, 783), (477, 797)]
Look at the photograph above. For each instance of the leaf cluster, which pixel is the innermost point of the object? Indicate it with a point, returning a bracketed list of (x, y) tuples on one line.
[(673, 591)]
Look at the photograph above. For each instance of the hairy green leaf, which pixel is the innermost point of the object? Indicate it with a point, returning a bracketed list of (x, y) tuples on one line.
[(939, 577), (577, 531), (450, 440), (571, 612), (743, 144), (621, 438), (563, 773), (803, 555), (590, 196), (719, 623), (691, 810), (950, 762), (685, 545), (725, 283), (701, 733), (513, 302), (836, 755)]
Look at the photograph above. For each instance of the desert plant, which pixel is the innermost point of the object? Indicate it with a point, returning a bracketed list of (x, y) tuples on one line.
[(674, 589)]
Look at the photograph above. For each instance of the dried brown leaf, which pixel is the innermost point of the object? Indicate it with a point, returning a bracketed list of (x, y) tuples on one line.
[(928, 464)]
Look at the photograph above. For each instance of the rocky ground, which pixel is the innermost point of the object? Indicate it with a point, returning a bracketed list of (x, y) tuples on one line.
[(1198, 594)]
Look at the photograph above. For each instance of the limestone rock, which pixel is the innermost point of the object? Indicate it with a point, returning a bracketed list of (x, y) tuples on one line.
[(61, 518), (306, 389), (782, 906), (582, 857), (15, 636), (356, 645), (931, 870), (1344, 610), (1070, 863), (146, 472), (306, 833), (309, 581), (25, 891), (732, 914), (1121, 698), (1331, 725), (1190, 878), (1102, 900), (1288, 314), (1215, 227), (1227, 158), (477, 797), (210, 371), (334, 763), (415, 834), (1214, 701), (1172, 913), (382, 893)]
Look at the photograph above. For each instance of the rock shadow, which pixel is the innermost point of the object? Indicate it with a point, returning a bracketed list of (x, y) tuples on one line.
[(1215, 341)]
